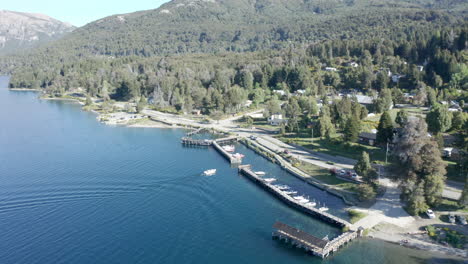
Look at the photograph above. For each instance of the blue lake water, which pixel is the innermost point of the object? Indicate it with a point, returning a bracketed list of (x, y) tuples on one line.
[(75, 191)]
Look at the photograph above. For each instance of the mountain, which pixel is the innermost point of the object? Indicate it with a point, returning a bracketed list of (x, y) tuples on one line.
[(25, 30), (206, 26)]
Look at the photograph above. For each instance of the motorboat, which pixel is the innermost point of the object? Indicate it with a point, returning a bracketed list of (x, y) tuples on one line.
[(323, 209), (311, 204), (238, 156), (260, 173), (270, 180), (290, 192), (282, 187), (209, 172), (229, 148)]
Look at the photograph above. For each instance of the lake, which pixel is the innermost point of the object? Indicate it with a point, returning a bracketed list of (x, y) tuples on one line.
[(73, 190)]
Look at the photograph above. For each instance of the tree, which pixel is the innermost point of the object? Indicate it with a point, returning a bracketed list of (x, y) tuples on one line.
[(326, 127), (351, 130), (417, 203), (422, 168), (89, 101), (439, 119), (384, 102), (141, 104), (458, 120), (272, 107), (401, 118), (385, 129), (363, 165), (216, 115), (463, 201), (366, 192)]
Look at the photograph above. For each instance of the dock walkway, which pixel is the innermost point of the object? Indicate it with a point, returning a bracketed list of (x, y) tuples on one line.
[(311, 244), (245, 169)]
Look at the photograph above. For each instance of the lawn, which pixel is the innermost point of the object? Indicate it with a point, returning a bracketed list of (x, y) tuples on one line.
[(325, 176), (355, 216), (454, 173), (449, 205), (336, 147)]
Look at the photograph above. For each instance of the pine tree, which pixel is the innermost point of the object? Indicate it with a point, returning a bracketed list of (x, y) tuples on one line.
[(439, 119), (385, 129), (363, 165), (326, 127), (351, 130), (401, 118), (463, 201)]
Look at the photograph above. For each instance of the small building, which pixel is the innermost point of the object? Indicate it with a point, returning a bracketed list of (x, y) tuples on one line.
[(447, 152), (196, 112), (420, 68), (248, 103), (330, 69), (280, 92), (396, 77), (363, 99), (353, 64), (277, 119), (367, 138), (299, 92)]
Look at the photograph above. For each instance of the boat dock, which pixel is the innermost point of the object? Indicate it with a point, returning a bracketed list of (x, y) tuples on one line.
[(246, 170), (311, 244), (196, 142), (188, 141), (194, 132), (224, 153)]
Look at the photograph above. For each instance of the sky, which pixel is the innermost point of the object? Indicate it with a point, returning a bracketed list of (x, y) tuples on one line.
[(80, 12)]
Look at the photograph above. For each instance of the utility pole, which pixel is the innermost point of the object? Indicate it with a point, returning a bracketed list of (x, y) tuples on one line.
[(386, 154)]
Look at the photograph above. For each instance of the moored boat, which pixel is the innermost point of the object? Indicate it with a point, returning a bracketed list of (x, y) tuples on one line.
[(209, 172), (229, 148), (260, 173), (270, 180)]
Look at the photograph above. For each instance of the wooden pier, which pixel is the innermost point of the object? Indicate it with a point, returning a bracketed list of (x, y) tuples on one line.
[(196, 142), (188, 141), (311, 244), (245, 170)]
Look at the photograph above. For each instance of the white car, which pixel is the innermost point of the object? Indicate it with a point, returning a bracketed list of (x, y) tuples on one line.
[(430, 214)]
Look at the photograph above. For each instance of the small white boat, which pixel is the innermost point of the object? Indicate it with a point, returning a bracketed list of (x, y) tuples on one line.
[(282, 187), (229, 148), (270, 180), (290, 192), (238, 156), (298, 197), (323, 208), (209, 172), (310, 204), (260, 173)]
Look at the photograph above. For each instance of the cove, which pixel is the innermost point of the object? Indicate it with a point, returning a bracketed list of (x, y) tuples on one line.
[(75, 191)]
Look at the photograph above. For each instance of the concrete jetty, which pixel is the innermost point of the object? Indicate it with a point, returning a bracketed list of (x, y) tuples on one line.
[(246, 170)]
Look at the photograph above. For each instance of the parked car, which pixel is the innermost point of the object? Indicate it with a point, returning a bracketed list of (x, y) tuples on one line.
[(430, 214), (461, 219), (342, 172), (451, 218), (253, 137), (287, 152), (354, 175)]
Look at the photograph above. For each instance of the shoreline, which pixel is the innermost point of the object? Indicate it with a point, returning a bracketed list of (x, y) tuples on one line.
[(153, 122), (24, 90)]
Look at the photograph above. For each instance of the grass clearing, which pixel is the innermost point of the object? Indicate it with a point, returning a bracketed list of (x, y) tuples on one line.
[(325, 176), (355, 216)]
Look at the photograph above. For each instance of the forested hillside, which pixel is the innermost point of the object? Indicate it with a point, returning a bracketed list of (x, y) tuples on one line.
[(204, 53)]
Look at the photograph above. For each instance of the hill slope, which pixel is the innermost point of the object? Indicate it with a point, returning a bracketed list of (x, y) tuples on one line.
[(25, 30), (188, 26)]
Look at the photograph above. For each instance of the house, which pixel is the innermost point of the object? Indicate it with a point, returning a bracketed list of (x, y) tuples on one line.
[(248, 103), (367, 138), (448, 152), (420, 68), (363, 99), (396, 78), (280, 92), (353, 64), (299, 92), (277, 119), (330, 69)]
